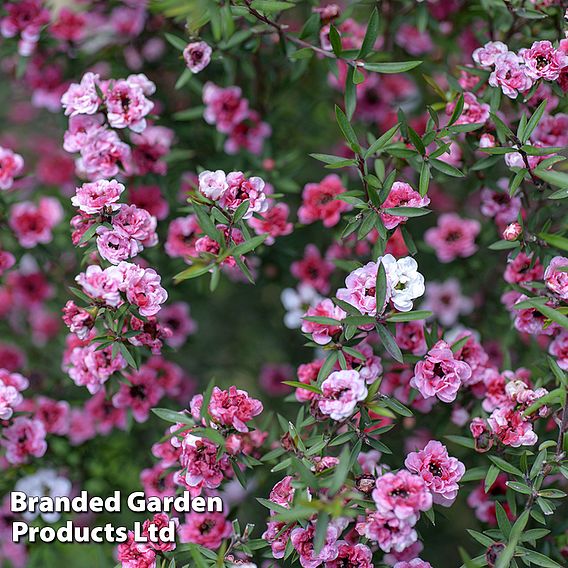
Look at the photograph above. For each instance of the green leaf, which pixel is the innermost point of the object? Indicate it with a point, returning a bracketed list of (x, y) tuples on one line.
[(513, 534), (241, 211), (382, 141), (271, 5), (321, 531), (557, 241), (350, 93), (176, 41), (503, 245), (458, 109), (424, 179), (389, 343), (192, 272), (299, 385), (392, 67), (549, 312), (397, 406), (539, 559), (490, 478), (506, 466), (553, 177), (346, 129), (173, 416), (381, 288), (407, 211), (370, 35), (247, 246), (446, 168), (335, 40), (340, 472), (322, 320), (533, 122), (409, 316)]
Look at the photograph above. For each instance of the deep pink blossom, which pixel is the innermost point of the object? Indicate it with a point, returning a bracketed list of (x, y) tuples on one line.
[(132, 554), (313, 269), (319, 202), (322, 334), (388, 531), (223, 107), (543, 61), (401, 195), (206, 529), (453, 237)]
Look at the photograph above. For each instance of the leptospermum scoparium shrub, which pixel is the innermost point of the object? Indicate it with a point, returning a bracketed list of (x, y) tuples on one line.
[(308, 257)]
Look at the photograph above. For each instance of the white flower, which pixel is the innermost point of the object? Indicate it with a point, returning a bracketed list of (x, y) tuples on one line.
[(297, 302), (404, 281), (44, 483)]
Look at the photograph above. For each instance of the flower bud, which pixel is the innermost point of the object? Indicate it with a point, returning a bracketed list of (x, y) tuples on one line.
[(512, 232)]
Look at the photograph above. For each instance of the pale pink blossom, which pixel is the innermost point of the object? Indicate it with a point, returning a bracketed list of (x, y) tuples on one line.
[(213, 184), (83, 97), (555, 278), (11, 166), (440, 472), (510, 74), (440, 374), (197, 56), (485, 56), (341, 392)]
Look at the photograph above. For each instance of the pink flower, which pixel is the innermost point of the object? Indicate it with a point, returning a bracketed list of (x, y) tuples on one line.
[(25, 18), (99, 196), (473, 111), (176, 317), (142, 287), (54, 414), (182, 235), (283, 492), (206, 529), (115, 247), (440, 472), (341, 392), (241, 189), (101, 284), (543, 61), (159, 521), (414, 563), (446, 301), (127, 105), (319, 202), (223, 107), (485, 56), (510, 74), (523, 268), (277, 535), (273, 222), (11, 166), (23, 439), (233, 408), (440, 374), (136, 224), (134, 554), (402, 494), (556, 279), (313, 269), (248, 134), (213, 184), (511, 428), (150, 197), (351, 556), (410, 336), (303, 543), (403, 282), (401, 195), (453, 237), (7, 260), (102, 154), (322, 334), (150, 146), (388, 531), (82, 98), (559, 349), (499, 205), (197, 56), (33, 223), (69, 26), (199, 459), (141, 393), (413, 40), (10, 398)]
